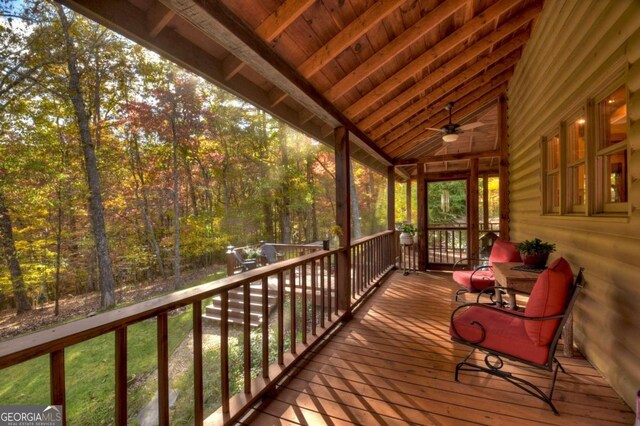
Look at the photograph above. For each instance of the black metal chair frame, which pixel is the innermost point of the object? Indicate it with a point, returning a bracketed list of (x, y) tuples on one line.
[(493, 359), (464, 290), (246, 264)]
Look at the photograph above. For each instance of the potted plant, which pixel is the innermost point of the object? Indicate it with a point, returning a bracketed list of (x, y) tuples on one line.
[(407, 231), (535, 252)]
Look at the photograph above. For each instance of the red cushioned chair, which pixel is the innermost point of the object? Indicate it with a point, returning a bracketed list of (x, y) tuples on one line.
[(529, 337), (481, 276)]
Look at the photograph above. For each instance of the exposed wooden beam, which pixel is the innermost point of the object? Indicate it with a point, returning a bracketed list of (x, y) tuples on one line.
[(270, 28), (469, 54), (158, 17), (500, 57), (276, 95), (279, 20), (305, 116), (422, 217), (449, 157), (231, 66), (400, 149), (474, 212), (503, 168), (423, 61), (395, 47), (391, 201), (343, 217), (348, 35), (216, 21), (419, 133)]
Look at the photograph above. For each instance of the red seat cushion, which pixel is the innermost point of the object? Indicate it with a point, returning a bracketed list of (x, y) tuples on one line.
[(504, 251), (481, 279), (548, 297), (503, 333)]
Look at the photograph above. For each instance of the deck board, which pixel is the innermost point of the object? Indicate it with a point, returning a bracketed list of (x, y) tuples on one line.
[(393, 364)]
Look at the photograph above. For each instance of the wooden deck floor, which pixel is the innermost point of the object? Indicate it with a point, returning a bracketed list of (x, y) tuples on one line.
[(393, 364)]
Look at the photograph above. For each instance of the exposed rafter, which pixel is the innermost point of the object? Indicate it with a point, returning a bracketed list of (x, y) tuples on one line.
[(279, 20), (347, 36), (469, 54), (158, 17), (449, 157), (395, 47), (427, 58), (499, 57)]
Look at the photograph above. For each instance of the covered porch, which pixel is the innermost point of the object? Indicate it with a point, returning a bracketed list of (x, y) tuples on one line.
[(386, 367), (360, 343)]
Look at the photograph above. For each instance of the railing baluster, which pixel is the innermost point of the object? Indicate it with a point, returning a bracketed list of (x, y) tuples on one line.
[(121, 376), (224, 351), (57, 384), (265, 327), (162, 324), (335, 285), (314, 299), (246, 294), (280, 317), (292, 286), (330, 296), (198, 387), (303, 267), (322, 294)]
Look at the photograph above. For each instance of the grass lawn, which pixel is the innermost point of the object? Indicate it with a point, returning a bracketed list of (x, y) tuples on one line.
[(89, 369)]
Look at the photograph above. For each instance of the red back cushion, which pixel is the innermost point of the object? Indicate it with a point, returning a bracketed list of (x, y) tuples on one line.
[(504, 251), (549, 297)]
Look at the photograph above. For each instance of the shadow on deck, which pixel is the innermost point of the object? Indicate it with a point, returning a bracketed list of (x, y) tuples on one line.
[(393, 363)]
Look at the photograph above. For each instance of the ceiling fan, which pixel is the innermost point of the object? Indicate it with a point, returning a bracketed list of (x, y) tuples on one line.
[(451, 130)]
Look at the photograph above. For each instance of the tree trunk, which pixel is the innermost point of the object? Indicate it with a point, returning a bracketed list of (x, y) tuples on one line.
[(355, 210), (9, 252), (143, 204), (285, 214), (313, 212), (176, 200), (96, 207)]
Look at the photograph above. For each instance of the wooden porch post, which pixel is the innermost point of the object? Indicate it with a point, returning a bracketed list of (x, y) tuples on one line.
[(408, 200), (343, 219), (474, 213), (503, 169), (391, 206), (422, 218)]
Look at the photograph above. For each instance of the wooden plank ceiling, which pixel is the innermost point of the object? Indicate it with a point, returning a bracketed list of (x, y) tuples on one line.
[(384, 69)]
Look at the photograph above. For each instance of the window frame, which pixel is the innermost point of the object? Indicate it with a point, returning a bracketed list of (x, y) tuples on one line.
[(594, 161), (600, 154), (570, 164)]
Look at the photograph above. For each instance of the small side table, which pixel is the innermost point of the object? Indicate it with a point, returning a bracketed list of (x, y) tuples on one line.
[(406, 257)]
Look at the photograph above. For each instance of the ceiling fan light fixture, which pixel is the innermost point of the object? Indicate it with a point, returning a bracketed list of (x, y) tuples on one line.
[(450, 138)]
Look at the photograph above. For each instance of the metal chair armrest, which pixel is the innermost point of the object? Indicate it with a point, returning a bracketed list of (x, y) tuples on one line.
[(467, 259)]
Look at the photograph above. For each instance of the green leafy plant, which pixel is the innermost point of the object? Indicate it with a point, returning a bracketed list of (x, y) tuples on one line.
[(251, 253), (536, 246), (408, 228)]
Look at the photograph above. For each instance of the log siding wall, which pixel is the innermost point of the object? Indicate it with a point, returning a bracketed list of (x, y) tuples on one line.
[(578, 49)]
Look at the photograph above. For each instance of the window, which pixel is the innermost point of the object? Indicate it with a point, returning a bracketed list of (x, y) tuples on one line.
[(584, 163), (552, 171), (611, 155), (576, 168)]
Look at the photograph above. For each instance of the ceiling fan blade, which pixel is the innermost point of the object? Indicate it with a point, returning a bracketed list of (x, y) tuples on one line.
[(473, 132), (432, 128), (471, 126)]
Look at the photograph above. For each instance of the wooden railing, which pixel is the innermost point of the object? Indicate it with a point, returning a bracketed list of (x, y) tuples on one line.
[(446, 245), (287, 251), (310, 279)]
